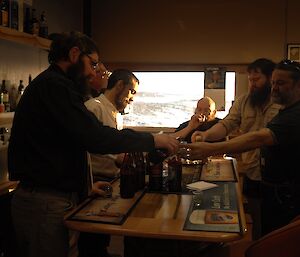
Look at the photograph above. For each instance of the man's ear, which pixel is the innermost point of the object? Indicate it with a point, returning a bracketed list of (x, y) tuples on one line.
[(214, 113), (119, 85), (74, 54)]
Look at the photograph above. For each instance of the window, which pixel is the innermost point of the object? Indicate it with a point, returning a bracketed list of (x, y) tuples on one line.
[(166, 99)]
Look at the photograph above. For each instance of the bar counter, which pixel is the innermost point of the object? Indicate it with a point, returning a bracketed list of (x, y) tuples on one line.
[(159, 215)]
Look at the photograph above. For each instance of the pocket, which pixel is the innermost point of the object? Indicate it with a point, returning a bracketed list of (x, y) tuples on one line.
[(247, 123), (59, 205)]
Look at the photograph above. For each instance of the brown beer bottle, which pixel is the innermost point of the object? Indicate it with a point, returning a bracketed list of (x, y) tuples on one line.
[(127, 177), (140, 170), (155, 168), (174, 174)]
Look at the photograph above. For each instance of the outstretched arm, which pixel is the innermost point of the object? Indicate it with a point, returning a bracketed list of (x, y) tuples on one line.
[(241, 143)]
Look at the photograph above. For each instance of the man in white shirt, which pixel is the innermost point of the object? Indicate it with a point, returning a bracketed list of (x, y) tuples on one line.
[(121, 87)]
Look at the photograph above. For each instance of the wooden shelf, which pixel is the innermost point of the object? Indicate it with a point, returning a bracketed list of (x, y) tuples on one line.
[(24, 38)]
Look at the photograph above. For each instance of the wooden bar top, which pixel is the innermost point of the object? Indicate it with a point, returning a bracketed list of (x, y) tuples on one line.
[(162, 216)]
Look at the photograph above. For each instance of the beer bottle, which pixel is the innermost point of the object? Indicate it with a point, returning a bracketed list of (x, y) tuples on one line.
[(155, 169), (174, 174), (127, 177), (140, 170)]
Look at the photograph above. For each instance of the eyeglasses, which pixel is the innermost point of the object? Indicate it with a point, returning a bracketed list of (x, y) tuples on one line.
[(291, 64), (94, 64), (106, 74)]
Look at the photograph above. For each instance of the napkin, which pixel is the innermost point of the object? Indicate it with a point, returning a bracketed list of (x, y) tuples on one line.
[(200, 185)]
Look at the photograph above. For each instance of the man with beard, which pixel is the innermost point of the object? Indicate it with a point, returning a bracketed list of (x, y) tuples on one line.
[(121, 88), (51, 134), (280, 142), (250, 112)]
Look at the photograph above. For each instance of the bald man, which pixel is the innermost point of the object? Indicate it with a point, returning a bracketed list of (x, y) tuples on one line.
[(203, 119)]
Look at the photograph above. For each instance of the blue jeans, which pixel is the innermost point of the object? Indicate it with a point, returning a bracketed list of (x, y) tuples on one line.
[(37, 215)]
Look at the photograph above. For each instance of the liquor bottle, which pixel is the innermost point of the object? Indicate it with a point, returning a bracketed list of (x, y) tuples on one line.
[(43, 30), (5, 96), (14, 14), (13, 94), (2, 108), (27, 5), (34, 23), (174, 174), (4, 8), (26, 25), (127, 177), (20, 91)]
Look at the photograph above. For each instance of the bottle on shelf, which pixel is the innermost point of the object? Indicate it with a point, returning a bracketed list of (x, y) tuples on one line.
[(14, 14), (5, 96), (13, 94), (4, 8), (2, 107), (43, 29), (20, 92), (34, 23), (26, 25), (27, 6)]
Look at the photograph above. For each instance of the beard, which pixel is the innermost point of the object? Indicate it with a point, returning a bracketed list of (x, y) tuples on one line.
[(75, 73), (120, 102), (258, 97)]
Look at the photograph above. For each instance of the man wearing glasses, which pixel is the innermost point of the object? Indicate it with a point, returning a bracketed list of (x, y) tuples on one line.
[(279, 142), (51, 134)]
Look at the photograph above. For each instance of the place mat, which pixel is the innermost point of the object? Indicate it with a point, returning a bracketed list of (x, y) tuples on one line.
[(215, 209), (113, 210), (219, 170)]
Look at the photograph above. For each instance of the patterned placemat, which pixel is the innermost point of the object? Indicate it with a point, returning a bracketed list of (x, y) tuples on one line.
[(113, 210), (214, 209)]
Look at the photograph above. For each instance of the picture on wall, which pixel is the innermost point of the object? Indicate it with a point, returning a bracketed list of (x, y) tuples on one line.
[(293, 52), (214, 78), (214, 85)]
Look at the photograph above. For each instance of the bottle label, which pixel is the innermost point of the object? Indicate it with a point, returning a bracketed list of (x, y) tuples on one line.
[(5, 98)]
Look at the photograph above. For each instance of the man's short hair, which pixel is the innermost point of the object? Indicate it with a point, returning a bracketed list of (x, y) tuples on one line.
[(62, 44), (291, 66), (265, 66), (121, 74), (211, 102)]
